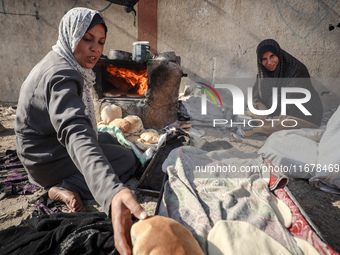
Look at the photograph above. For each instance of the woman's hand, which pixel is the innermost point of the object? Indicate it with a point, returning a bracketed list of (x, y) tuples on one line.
[(122, 205)]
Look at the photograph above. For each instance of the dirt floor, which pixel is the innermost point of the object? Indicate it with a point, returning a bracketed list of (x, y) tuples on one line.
[(322, 208)]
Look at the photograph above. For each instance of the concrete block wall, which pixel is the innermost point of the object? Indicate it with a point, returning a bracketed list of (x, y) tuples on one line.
[(25, 40), (216, 39)]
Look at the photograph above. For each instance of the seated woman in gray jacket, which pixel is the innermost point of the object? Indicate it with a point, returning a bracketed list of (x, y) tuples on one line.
[(57, 139)]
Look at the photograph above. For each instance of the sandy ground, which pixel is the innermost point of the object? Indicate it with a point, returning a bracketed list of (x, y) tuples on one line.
[(323, 208)]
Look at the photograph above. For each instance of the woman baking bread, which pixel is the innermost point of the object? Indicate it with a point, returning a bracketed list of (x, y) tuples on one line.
[(57, 139), (277, 68)]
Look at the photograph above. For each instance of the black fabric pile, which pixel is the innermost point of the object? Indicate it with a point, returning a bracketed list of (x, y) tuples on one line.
[(44, 205), (60, 233), (50, 231)]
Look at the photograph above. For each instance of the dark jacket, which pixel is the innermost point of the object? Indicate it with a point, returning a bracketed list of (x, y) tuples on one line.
[(55, 137)]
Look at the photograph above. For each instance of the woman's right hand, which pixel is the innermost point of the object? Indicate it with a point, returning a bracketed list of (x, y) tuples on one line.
[(122, 205)]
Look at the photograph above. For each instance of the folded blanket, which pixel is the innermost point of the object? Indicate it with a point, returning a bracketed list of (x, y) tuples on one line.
[(206, 187)]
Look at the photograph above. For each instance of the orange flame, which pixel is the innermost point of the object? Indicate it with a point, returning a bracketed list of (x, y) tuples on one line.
[(132, 77)]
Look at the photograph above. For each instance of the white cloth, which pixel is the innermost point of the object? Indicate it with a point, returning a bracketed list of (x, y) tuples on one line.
[(308, 153), (328, 160), (72, 28), (292, 150)]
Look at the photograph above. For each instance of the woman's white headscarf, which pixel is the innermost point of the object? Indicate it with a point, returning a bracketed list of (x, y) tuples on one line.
[(72, 28)]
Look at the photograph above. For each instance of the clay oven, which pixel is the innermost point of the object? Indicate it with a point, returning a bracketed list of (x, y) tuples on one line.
[(148, 90)]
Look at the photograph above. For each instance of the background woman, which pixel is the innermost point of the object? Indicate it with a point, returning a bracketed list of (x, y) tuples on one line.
[(56, 128), (277, 68)]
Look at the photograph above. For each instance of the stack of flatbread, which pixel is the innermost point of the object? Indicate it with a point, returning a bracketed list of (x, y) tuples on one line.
[(147, 140), (131, 126)]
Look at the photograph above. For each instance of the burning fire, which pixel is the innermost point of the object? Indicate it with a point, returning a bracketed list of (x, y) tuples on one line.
[(135, 78)]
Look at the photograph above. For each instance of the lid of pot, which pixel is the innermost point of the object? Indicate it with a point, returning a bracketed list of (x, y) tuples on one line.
[(140, 42)]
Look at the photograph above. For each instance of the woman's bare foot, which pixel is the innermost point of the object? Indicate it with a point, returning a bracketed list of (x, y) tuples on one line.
[(71, 199)]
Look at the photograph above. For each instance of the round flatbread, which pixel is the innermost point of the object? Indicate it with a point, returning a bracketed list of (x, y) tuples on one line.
[(122, 124), (132, 138), (110, 112), (136, 124), (150, 137), (101, 124), (142, 145), (162, 235)]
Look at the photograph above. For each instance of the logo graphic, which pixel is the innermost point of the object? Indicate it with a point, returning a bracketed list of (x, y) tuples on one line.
[(204, 97), (239, 102), (238, 99), (211, 88)]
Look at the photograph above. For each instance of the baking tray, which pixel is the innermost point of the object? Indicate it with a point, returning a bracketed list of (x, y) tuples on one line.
[(152, 179)]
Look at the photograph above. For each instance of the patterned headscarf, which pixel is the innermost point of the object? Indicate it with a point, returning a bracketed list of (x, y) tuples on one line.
[(72, 28)]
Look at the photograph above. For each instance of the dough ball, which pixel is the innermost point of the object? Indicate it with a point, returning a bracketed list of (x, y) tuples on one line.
[(281, 210), (122, 124), (306, 247), (162, 235), (240, 237), (150, 137), (111, 112)]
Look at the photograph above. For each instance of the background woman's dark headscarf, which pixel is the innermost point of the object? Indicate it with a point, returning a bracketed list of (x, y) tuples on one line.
[(290, 72), (288, 67)]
